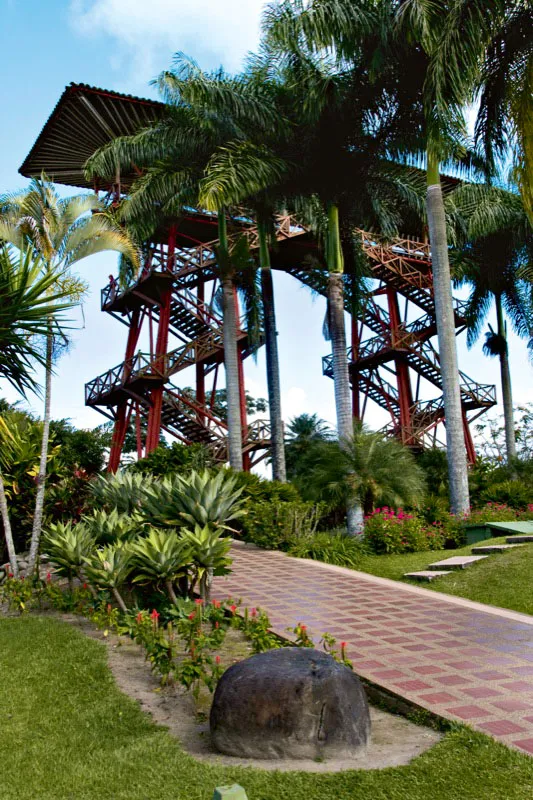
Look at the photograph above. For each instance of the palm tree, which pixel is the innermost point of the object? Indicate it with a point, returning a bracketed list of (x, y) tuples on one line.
[(497, 261), (29, 298), (304, 432), (372, 468), (395, 45), (62, 232)]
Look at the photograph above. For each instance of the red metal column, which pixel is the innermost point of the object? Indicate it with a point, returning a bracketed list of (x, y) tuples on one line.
[(242, 389), (122, 419), (405, 394), (161, 346), (469, 442), (200, 373)]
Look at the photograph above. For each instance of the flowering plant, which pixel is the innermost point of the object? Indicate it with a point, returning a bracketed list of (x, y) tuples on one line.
[(394, 531)]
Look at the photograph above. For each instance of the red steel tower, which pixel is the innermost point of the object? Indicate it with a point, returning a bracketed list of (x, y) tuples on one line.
[(170, 310)]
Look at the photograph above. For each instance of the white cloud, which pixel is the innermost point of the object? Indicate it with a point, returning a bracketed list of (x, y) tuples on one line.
[(147, 32)]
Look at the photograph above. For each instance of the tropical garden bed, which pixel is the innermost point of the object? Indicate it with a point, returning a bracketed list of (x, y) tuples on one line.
[(69, 732)]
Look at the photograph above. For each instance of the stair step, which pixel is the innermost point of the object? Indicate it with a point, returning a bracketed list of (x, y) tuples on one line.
[(426, 574), (493, 548), (520, 539), (456, 562)]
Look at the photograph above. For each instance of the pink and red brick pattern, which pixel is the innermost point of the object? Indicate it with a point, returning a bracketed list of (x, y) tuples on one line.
[(461, 660)]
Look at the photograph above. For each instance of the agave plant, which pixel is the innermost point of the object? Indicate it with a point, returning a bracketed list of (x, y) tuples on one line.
[(109, 527), (200, 498), (109, 568), (68, 546), (161, 557), (209, 553), (123, 491)]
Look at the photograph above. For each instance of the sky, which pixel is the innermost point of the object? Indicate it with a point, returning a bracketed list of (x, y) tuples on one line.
[(121, 45)]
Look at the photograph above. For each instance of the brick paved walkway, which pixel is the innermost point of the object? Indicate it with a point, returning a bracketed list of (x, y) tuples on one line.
[(462, 660)]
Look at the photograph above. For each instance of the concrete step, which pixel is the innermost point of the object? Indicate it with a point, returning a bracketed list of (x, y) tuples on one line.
[(456, 562), (493, 548), (426, 575), (520, 539)]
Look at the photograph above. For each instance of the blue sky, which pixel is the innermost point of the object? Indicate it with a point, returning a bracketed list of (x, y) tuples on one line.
[(121, 45)]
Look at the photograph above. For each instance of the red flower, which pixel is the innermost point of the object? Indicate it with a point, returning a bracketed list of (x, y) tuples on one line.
[(9, 574), (217, 660), (216, 603), (217, 626), (253, 612), (192, 616), (303, 628), (109, 608), (343, 645), (155, 615), (199, 601), (233, 609), (139, 617), (85, 586), (48, 577)]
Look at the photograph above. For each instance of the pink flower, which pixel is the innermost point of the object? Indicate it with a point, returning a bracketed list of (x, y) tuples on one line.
[(48, 577), (253, 612)]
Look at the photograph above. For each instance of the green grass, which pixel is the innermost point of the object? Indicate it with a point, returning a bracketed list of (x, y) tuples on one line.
[(67, 732), (503, 579)]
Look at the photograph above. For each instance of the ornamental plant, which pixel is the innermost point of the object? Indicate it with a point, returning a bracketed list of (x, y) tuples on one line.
[(395, 531), (68, 546)]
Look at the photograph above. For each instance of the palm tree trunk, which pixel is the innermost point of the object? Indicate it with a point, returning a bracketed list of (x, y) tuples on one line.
[(341, 377), (279, 472), (41, 478), (444, 313), (507, 393), (4, 511), (231, 354)]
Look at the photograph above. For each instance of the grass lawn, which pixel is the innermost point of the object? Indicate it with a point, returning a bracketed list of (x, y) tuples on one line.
[(66, 731), (503, 579)]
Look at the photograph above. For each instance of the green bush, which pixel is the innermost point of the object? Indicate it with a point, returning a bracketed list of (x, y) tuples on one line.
[(178, 458), (260, 489), (277, 525), (331, 548), (513, 493), (390, 531)]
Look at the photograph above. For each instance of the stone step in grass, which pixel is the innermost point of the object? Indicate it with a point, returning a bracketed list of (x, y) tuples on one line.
[(456, 562), (426, 574), (488, 549), (520, 539)]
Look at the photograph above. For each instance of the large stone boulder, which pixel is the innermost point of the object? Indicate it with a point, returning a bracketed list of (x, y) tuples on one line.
[(290, 703)]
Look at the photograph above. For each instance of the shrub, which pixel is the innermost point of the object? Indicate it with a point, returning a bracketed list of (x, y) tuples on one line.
[(260, 489), (178, 458), (513, 493), (389, 531), (331, 548), (123, 491), (276, 525)]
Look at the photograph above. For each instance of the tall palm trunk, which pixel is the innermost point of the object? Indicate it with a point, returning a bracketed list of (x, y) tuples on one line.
[(41, 478), (4, 512), (231, 353), (507, 393), (341, 377), (279, 472), (444, 313)]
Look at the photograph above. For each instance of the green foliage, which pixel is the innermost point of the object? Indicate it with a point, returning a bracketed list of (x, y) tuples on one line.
[(200, 498), (435, 466), (515, 494), (370, 467), (209, 555), (68, 546), (331, 548), (123, 491), (178, 458), (389, 531), (160, 557), (276, 525), (255, 488), (80, 449), (110, 527), (109, 567)]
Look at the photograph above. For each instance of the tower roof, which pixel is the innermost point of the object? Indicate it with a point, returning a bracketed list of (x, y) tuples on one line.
[(84, 119)]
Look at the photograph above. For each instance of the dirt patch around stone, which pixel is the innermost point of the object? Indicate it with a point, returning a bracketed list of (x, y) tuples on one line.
[(395, 741)]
